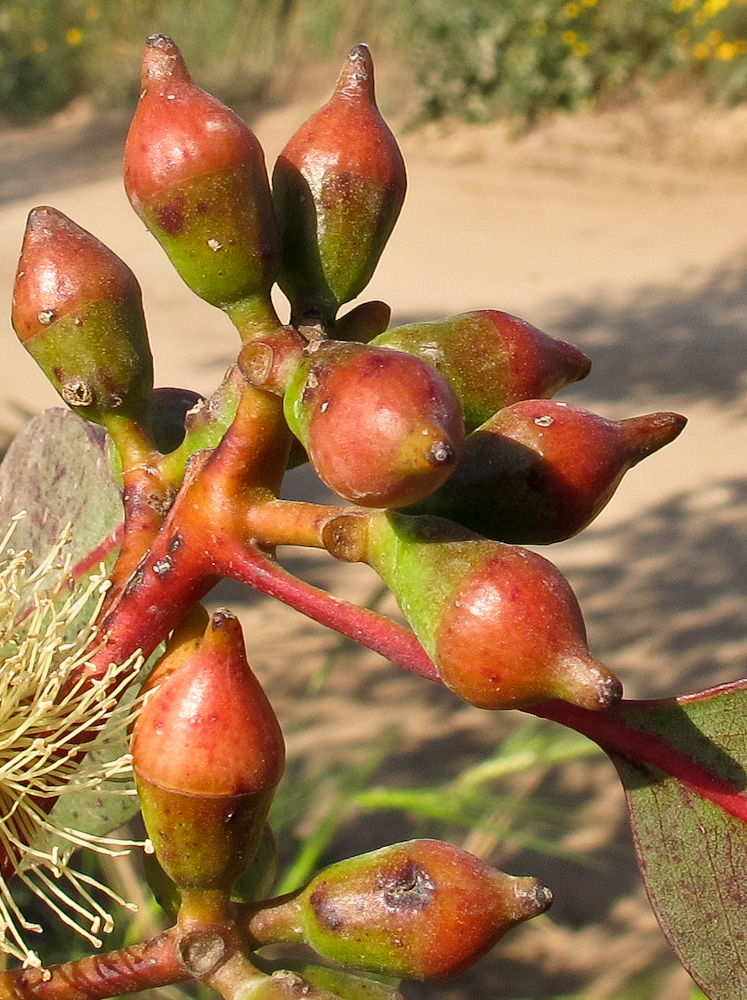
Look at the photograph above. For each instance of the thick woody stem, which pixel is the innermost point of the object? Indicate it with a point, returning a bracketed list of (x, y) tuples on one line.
[(178, 568), (140, 967)]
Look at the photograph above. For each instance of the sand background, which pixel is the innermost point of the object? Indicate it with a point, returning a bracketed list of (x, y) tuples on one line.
[(624, 232)]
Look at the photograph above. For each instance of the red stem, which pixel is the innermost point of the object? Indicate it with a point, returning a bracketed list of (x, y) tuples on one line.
[(398, 644), (249, 564), (141, 967), (609, 730), (99, 553)]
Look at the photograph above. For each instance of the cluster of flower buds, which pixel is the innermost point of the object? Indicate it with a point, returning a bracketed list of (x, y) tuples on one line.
[(445, 434)]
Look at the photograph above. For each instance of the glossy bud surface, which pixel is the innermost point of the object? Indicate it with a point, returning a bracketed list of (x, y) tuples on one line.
[(77, 309), (208, 753), (422, 909), (381, 428), (338, 187), (491, 359), (500, 622), (195, 174), (540, 471)]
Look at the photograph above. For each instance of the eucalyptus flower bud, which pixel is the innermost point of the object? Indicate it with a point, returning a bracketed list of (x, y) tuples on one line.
[(208, 754), (77, 309)]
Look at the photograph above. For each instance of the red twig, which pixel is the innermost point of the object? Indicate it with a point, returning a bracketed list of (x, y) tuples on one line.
[(249, 564), (140, 967)]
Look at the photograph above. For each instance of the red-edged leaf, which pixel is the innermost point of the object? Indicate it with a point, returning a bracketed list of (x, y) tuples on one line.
[(692, 851), (682, 763)]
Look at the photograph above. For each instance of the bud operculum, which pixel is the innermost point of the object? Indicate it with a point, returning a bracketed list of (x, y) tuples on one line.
[(77, 309), (338, 187), (195, 174), (208, 753)]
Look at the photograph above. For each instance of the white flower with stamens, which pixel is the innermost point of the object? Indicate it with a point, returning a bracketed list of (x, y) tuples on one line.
[(48, 722)]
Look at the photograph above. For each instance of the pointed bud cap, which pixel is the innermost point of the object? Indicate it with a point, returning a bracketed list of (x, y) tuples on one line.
[(338, 186), (540, 471), (491, 359), (208, 753), (77, 309), (422, 910), (382, 428), (195, 174), (208, 728)]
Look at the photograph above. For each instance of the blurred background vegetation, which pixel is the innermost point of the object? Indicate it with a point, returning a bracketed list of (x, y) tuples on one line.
[(476, 59)]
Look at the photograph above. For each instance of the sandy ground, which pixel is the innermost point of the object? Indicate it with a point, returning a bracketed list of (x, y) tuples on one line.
[(626, 234)]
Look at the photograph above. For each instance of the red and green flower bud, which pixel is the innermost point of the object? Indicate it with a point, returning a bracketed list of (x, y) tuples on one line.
[(500, 622), (491, 359), (381, 428), (539, 471), (195, 174), (338, 187), (208, 753), (422, 910), (77, 309)]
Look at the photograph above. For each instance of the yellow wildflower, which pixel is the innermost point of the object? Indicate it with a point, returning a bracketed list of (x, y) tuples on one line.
[(726, 51), (572, 9), (74, 36), (569, 38), (701, 51)]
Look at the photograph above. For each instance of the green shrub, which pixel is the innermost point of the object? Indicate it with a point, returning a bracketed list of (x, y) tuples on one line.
[(477, 59)]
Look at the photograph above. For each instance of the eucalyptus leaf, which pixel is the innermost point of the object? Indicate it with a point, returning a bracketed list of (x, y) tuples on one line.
[(689, 823), (56, 469)]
